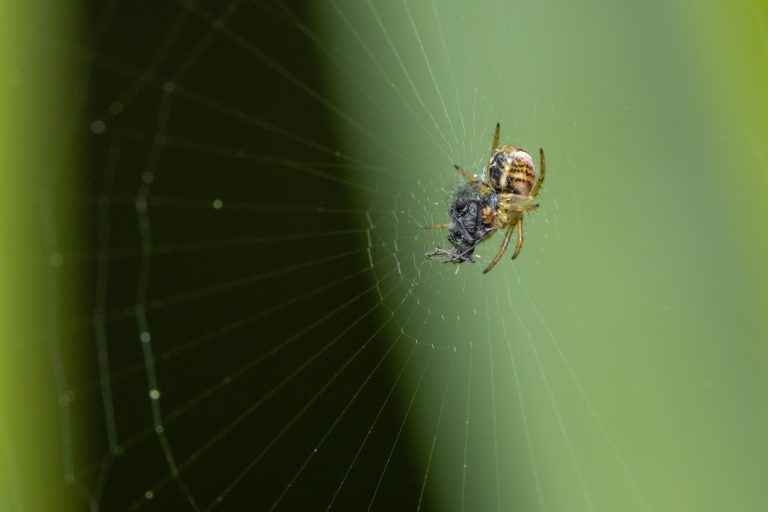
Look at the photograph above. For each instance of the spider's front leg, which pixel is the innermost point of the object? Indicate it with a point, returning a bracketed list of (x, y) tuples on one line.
[(495, 142), (471, 179), (494, 145), (464, 174)]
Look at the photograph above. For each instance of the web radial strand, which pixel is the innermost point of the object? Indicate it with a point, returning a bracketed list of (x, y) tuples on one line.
[(267, 250)]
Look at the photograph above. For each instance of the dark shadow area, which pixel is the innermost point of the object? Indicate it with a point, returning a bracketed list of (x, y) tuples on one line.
[(227, 273)]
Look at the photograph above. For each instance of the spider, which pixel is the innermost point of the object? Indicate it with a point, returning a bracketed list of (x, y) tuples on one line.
[(482, 207)]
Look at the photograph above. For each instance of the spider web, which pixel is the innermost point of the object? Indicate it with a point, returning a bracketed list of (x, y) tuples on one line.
[(266, 332)]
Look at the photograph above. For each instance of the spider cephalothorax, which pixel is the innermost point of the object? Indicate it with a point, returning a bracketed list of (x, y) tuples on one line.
[(482, 207)]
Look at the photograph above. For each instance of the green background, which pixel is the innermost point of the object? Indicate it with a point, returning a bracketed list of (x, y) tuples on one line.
[(619, 364), (648, 282)]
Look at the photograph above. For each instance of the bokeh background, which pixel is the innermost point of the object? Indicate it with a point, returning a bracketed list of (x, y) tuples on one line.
[(214, 291)]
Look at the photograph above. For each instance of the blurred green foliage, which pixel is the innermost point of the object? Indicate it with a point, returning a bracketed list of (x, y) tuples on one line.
[(643, 274)]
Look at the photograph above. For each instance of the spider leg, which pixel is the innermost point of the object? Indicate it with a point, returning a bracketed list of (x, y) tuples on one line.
[(465, 174), (494, 144), (522, 207), (435, 226), (519, 237), (502, 249), (471, 179), (540, 181)]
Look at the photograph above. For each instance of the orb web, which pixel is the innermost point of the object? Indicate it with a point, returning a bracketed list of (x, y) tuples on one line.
[(266, 330)]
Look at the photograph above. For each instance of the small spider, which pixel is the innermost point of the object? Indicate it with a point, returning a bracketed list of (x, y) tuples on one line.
[(482, 207)]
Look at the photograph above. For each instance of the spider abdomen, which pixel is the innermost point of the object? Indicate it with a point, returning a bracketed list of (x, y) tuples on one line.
[(511, 169)]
